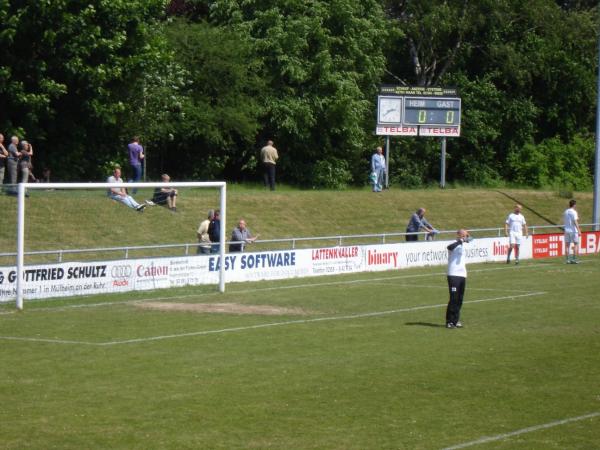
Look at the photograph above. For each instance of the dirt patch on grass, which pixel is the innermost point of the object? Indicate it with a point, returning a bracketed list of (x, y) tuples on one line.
[(222, 308)]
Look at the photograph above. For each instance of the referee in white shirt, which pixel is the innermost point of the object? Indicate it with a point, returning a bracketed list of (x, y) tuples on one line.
[(457, 278)]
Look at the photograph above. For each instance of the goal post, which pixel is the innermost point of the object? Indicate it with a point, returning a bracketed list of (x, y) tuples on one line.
[(22, 205)]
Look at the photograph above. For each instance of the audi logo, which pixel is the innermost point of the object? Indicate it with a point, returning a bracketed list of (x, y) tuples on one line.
[(121, 271)]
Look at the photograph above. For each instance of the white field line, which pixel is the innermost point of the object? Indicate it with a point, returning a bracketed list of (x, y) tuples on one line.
[(268, 325), (503, 436), (444, 286), (275, 288), (50, 341)]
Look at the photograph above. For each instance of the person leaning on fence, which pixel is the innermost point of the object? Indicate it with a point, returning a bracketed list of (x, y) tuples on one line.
[(120, 194), (241, 236), (165, 196), (204, 246), (416, 223)]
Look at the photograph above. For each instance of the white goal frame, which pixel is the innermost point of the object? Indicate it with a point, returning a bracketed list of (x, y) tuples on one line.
[(22, 187)]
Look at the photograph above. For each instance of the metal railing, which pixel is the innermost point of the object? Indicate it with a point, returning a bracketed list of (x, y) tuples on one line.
[(289, 243)]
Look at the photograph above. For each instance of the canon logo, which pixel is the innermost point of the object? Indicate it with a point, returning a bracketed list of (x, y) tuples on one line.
[(151, 271)]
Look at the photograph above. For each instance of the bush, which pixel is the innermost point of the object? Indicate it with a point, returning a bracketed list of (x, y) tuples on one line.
[(554, 163), (331, 174)]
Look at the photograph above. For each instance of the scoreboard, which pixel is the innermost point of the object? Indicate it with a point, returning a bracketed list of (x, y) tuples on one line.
[(418, 111)]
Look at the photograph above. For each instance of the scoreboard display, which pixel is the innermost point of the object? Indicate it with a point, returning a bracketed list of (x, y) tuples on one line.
[(418, 111), (431, 111)]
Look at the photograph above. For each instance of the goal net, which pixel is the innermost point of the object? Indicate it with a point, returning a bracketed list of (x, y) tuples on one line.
[(87, 238)]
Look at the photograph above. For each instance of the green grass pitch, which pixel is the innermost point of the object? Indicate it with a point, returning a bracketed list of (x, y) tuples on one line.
[(348, 362)]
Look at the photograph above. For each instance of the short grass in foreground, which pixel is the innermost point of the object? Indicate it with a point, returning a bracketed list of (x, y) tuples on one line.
[(367, 364)]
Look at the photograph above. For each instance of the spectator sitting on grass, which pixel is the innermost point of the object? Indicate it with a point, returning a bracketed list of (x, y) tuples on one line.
[(120, 194), (166, 196)]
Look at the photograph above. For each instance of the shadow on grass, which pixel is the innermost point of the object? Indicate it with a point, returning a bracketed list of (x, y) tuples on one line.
[(529, 208), (426, 324)]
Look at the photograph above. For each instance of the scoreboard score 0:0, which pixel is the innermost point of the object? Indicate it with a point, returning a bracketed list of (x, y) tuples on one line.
[(438, 111)]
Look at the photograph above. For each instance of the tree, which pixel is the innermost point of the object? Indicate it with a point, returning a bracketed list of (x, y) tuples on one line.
[(322, 61), (525, 72), (220, 102), (67, 70), (433, 34)]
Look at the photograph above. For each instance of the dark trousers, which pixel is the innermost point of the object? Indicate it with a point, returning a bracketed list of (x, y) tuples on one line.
[(411, 237), (456, 288), (269, 175), (12, 166), (136, 175)]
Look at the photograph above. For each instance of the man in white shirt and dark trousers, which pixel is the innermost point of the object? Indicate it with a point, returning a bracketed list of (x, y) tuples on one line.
[(572, 233), (513, 228), (457, 278)]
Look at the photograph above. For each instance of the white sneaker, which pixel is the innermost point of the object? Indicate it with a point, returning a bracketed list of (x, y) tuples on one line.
[(150, 203), (458, 324)]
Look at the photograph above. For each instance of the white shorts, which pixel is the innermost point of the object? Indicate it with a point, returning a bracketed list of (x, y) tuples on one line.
[(572, 237), (515, 237)]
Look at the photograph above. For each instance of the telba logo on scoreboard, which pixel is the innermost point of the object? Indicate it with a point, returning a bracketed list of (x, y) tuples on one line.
[(439, 131)]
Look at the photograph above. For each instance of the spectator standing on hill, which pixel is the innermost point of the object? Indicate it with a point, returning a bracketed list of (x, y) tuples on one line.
[(513, 228), (416, 223), (204, 246), (165, 196), (268, 158), (241, 236), (3, 157), (136, 156), (120, 194), (572, 233), (12, 163), (377, 169), (214, 232), (25, 162), (457, 278)]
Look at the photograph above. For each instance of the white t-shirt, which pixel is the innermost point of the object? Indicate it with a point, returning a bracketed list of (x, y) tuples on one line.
[(112, 179), (515, 222), (570, 218), (457, 266)]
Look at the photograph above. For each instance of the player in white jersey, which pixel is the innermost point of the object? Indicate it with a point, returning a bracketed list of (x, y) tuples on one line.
[(513, 228), (457, 278), (572, 233)]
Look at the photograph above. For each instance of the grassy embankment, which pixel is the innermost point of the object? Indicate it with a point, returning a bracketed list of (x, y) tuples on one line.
[(78, 219)]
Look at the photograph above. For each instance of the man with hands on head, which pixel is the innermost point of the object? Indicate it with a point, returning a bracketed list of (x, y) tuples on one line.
[(457, 278)]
